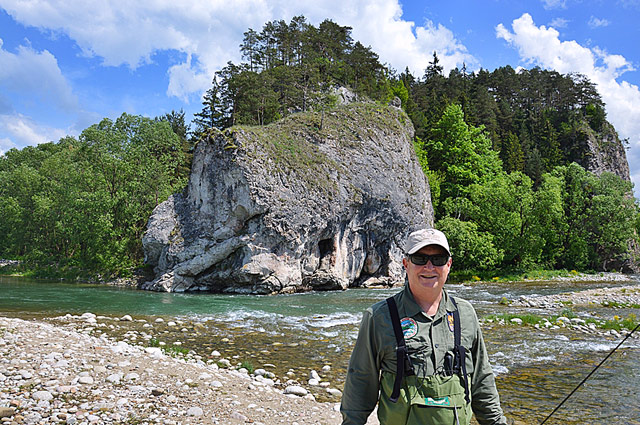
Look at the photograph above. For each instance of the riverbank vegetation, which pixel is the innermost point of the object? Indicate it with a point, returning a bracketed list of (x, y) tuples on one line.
[(78, 208), (502, 151)]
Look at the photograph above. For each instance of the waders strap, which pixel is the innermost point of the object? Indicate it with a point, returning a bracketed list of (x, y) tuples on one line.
[(460, 365), (403, 363)]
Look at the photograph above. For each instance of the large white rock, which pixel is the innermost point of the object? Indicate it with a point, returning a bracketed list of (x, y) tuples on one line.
[(329, 213)]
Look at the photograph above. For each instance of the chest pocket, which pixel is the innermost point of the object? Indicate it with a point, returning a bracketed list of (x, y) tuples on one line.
[(439, 399), (433, 399)]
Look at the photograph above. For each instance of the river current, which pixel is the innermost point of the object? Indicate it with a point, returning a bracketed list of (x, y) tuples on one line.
[(297, 333)]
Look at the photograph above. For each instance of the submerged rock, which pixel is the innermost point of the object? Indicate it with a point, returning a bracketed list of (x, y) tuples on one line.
[(310, 202)]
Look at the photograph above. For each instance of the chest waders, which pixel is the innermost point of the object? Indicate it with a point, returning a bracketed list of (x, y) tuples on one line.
[(433, 391)]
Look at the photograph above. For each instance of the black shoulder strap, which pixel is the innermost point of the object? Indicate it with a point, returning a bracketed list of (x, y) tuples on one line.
[(460, 365), (403, 363)]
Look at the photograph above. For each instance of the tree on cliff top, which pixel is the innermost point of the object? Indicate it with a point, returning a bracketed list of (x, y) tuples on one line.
[(290, 68)]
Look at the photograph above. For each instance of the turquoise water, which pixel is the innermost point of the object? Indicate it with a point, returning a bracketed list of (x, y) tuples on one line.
[(535, 369), (28, 295)]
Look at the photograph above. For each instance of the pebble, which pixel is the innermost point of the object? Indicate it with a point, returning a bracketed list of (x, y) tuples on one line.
[(114, 378), (42, 395), (296, 390), (87, 380), (195, 411), (239, 416), (334, 392), (7, 412)]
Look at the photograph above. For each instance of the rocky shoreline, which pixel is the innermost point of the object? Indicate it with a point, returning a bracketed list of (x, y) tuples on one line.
[(622, 296), (53, 375)]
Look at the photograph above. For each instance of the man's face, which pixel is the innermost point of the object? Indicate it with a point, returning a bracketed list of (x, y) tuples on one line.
[(427, 279)]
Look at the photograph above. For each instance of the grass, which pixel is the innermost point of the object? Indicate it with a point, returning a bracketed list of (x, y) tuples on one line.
[(527, 319), (617, 323), (290, 147), (175, 350), (247, 365), (171, 350), (509, 275), (615, 304)]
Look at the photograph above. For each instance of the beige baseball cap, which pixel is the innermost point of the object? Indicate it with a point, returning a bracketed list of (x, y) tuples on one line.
[(423, 237)]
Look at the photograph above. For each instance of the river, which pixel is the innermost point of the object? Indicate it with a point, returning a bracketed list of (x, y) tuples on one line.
[(296, 333)]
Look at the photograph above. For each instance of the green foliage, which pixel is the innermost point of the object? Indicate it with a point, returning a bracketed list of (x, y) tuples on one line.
[(534, 118), (572, 219), (400, 90), (600, 217), (79, 207), (462, 153), (292, 67), (470, 247)]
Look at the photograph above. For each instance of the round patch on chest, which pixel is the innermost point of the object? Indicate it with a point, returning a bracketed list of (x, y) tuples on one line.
[(409, 327)]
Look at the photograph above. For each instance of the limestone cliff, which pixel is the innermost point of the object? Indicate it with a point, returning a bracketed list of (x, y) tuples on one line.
[(600, 151), (314, 201)]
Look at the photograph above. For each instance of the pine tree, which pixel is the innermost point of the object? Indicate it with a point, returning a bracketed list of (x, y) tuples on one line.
[(212, 114)]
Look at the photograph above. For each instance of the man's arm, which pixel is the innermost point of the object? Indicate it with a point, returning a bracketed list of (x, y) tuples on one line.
[(361, 387)]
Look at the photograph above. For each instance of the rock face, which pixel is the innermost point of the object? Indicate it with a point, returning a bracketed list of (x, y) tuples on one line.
[(601, 151), (314, 201)]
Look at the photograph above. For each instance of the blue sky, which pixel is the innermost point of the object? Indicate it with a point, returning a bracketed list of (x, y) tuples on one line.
[(66, 64)]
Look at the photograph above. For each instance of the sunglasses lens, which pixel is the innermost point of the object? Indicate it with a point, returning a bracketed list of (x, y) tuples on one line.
[(437, 260), (419, 259)]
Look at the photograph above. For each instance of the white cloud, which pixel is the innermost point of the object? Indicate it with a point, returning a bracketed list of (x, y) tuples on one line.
[(597, 22), (18, 131), (554, 4), (185, 79), (542, 46), (209, 31), (558, 23), (629, 4), (6, 144), (31, 73)]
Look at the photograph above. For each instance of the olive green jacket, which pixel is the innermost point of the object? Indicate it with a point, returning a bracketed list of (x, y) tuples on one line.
[(427, 339)]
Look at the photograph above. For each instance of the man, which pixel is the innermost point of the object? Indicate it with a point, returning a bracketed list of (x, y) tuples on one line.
[(446, 375)]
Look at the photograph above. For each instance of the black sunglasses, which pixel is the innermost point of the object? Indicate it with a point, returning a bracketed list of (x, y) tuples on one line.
[(422, 259)]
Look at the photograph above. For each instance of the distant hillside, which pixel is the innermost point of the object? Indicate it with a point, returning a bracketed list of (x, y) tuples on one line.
[(536, 119)]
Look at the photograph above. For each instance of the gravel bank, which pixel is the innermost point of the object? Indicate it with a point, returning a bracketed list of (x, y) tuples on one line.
[(624, 296), (52, 375)]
